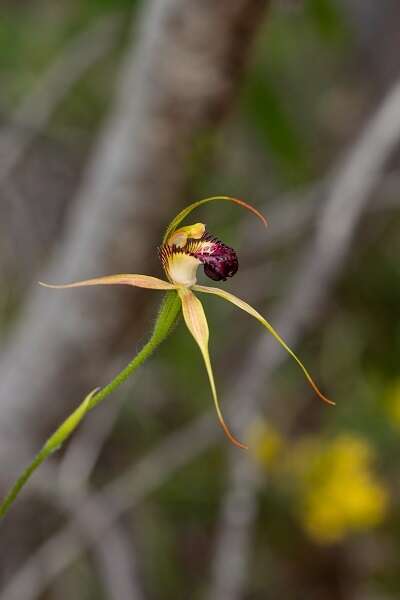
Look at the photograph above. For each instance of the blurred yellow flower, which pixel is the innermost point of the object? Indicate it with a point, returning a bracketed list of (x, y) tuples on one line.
[(339, 493), (265, 443)]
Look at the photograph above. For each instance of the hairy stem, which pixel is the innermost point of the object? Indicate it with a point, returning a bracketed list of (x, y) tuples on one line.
[(166, 319)]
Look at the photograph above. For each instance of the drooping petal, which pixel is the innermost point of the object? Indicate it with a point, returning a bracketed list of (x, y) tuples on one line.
[(196, 322), (186, 211), (252, 311), (142, 281)]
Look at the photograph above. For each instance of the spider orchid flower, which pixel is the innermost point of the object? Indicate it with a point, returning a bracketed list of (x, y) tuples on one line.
[(182, 251)]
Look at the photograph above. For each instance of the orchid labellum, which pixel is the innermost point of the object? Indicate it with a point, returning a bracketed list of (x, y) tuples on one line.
[(183, 250)]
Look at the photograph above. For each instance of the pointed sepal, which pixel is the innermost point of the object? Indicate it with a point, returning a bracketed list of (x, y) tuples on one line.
[(142, 281), (252, 311), (186, 211), (196, 322)]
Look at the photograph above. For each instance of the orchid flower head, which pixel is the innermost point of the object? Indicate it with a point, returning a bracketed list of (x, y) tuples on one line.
[(183, 250), (189, 247)]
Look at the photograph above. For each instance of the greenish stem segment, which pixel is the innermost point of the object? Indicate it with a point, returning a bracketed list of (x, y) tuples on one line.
[(167, 316), (53, 443)]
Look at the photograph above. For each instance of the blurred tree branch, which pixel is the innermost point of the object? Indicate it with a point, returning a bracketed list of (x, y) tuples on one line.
[(123, 493), (115, 560), (177, 81), (66, 485), (234, 535), (348, 197), (324, 260), (32, 116), (296, 213)]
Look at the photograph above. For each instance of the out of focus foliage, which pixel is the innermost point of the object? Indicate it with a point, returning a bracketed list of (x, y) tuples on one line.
[(333, 486), (330, 495)]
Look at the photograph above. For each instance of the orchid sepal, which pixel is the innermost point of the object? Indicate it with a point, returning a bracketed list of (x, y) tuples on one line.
[(196, 322), (254, 313), (142, 281), (186, 211)]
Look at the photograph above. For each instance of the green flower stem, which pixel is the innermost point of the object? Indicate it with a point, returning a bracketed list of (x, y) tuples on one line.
[(167, 316), (53, 443), (166, 319)]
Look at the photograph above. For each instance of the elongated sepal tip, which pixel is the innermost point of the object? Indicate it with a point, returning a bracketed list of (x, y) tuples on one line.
[(231, 438), (52, 285), (186, 211), (318, 392), (327, 401), (252, 311)]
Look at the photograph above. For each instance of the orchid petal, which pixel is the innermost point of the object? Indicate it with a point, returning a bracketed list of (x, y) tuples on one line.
[(196, 322), (142, 281), (252, 311), (186, 211)]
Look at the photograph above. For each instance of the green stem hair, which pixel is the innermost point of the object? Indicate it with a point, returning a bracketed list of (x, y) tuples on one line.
[(167, 316)]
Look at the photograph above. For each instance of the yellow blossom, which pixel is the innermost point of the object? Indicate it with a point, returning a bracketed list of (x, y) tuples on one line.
[(266, 443), (339, 492)]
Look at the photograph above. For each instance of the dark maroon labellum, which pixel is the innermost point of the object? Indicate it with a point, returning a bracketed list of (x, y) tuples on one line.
[(220, 262)]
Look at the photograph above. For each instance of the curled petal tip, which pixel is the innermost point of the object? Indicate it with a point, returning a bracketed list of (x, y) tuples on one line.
[(186, 211), (251, 208), (327, 401), (55, 286), (316, 388), (231, 438), (252, 311)]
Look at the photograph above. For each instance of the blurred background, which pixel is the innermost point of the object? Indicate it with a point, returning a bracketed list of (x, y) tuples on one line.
[(115, 114)]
